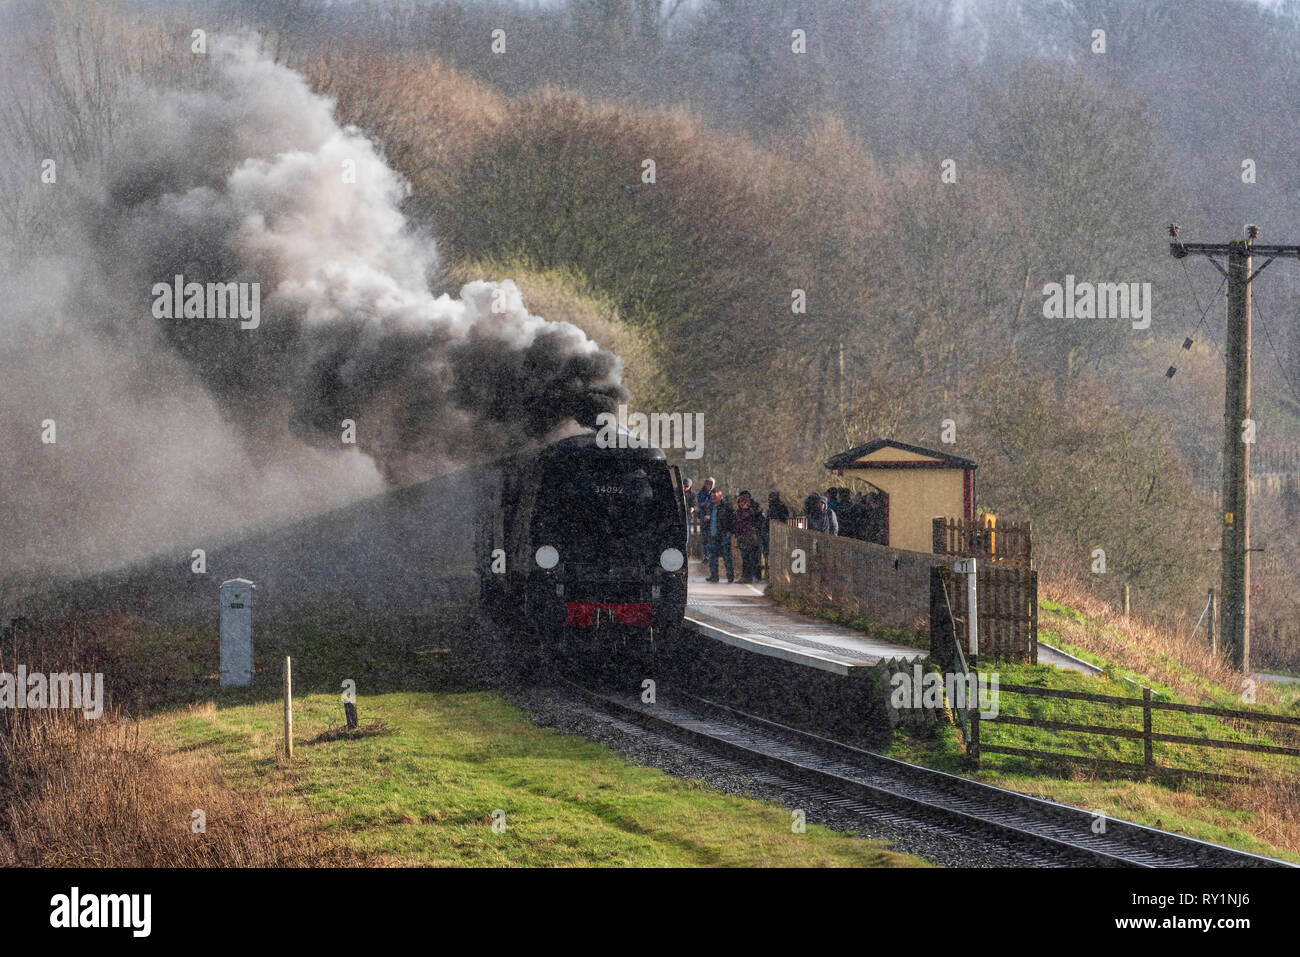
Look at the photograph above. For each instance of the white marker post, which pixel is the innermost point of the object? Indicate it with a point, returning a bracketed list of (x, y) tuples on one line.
[(237, 632), (967, 567)]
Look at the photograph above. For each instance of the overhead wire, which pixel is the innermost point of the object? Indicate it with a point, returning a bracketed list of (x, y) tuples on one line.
[(1286, 376)]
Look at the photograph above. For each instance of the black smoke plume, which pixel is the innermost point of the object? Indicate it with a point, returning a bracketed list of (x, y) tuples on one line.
[(239, 173)]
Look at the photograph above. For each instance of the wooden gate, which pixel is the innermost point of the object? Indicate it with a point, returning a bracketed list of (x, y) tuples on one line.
[(1007, 599)]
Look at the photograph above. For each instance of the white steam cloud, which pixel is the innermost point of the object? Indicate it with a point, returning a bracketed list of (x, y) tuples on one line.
[(170, 429)]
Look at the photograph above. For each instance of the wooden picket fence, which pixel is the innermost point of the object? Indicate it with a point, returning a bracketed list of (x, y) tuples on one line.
[(1006, 543)]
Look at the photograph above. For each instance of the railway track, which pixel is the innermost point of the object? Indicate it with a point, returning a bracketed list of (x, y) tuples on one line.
[(1034, 831)]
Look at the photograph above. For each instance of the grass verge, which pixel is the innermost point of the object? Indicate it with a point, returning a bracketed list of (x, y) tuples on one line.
[(431, 773), (1262, 817), (418, 783)]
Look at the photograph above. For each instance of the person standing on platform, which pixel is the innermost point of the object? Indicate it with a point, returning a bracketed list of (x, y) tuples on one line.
[(777, 511), (748, 522), (820, 517), (722, 522), (703, 508)]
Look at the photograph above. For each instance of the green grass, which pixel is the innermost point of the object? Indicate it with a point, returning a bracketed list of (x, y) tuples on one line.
[(434, 760), (1108, 715), (1286, 696), (1203, 810), (421, 787), (1193, 809)]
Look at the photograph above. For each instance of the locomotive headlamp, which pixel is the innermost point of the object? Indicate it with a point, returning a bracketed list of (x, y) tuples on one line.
[(547, 557), (671, 560)]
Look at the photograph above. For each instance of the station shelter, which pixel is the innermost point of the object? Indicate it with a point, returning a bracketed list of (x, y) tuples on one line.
[(912, 486)]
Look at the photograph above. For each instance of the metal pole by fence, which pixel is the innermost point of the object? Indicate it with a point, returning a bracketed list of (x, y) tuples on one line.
[(1204, 611), (1214, 614)]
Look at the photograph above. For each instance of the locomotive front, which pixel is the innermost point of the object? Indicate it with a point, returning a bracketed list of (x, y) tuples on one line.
[(608, 544)]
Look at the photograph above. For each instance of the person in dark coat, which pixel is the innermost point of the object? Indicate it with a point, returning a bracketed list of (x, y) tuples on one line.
[(815, 513), (832, 497), (877, 520), (703, 506), (705, 495), (777, 511), (722, 522), (820, 517), (857, 518), (749, 521)]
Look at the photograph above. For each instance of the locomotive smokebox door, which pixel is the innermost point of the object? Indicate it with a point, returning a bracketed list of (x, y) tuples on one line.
[(237, 632)]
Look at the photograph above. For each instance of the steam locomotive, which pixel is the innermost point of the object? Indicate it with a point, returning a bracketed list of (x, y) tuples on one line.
[(581, 551), (577, 551)]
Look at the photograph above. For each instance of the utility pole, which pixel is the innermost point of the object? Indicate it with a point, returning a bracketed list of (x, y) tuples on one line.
[(1238, 428)]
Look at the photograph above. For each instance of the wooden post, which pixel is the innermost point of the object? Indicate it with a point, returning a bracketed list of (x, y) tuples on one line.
[(1126, 604), (288, 706), (1147, 758), (1234, 500), (1235, 553)]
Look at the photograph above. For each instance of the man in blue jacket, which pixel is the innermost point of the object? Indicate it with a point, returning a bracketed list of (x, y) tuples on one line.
[(703, 506), (722, 522)]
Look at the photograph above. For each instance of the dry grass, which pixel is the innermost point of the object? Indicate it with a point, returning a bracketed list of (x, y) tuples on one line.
[(96, 793), (1276, 806), (1275, 648), (1165, 655), (89, 793)]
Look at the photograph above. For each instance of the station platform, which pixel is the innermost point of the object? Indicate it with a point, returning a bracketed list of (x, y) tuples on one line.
[(741, 616)]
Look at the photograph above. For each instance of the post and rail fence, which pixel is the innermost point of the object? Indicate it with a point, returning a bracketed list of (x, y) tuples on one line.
[(1212, 729)]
